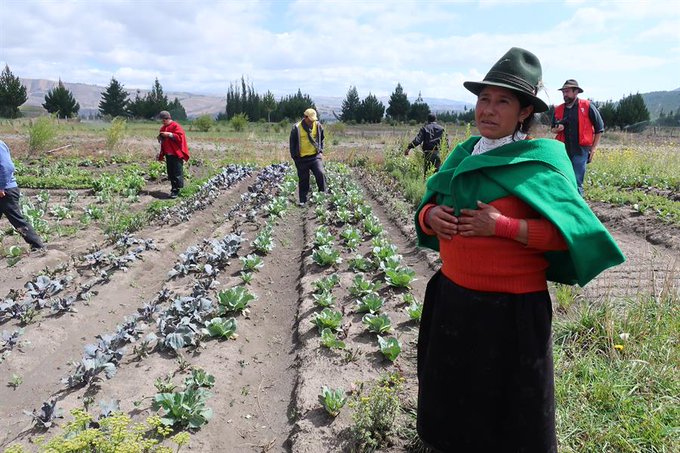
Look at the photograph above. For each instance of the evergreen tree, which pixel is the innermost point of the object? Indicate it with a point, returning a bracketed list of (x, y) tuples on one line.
[(60, 100), (269, 104), (177, 111), (608, 113), (137, 108), (156, 100), (399, 104), (292, 107), (351, 106), (419, 110), (114, 100), (372, 110), (12, 94), (631, 110)]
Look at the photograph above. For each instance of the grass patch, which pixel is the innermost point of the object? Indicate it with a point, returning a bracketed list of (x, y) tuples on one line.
[(617, 384)]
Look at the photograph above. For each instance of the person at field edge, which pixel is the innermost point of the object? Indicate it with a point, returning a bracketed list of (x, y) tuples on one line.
[(9, 201), (306, 149), (430, 136), (506, 216), (578, 124), (174, 151)]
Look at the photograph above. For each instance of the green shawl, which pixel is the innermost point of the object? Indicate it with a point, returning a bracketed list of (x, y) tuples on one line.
[(539, 173)]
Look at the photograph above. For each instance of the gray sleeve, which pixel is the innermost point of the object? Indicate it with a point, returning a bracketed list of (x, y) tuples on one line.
[(596, 119)]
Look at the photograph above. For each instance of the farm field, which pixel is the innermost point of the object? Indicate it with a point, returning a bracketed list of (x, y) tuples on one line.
[(289, 328)]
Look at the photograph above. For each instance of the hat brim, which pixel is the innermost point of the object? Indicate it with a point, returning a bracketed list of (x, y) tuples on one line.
[(477, 87), (578, 88)]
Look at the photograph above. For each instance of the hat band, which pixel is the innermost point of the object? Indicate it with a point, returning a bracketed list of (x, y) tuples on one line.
[(497, 76)]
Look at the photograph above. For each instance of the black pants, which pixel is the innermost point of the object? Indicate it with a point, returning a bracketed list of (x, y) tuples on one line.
[(431, 159), (175, 167), (9, 206), (304, 165), (485, 371)]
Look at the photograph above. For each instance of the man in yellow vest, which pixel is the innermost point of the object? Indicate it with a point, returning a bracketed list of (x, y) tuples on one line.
[(306, 149)]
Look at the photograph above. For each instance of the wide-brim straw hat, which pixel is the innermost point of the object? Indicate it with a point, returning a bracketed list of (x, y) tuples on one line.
[(518, 70)]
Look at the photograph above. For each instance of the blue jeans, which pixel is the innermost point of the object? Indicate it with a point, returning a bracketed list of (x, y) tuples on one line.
[(579, 159)]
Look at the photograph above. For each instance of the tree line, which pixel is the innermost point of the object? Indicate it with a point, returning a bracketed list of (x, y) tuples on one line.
[(630, 113)]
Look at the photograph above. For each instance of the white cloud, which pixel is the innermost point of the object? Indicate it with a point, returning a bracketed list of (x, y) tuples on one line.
[(323, 47)]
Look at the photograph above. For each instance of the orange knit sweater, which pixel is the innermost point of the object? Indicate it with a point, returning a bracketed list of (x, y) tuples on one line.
[(496, 264)]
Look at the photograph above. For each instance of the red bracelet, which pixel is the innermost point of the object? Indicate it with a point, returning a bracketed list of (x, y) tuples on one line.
[(507, 227)]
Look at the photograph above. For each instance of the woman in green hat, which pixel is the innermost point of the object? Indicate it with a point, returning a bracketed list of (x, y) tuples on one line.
[(505, 214)]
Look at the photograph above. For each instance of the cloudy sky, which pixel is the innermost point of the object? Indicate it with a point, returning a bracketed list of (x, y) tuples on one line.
[(613, 48)]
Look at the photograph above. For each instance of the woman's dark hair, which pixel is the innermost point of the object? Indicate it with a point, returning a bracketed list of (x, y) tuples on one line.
[(526, 125)]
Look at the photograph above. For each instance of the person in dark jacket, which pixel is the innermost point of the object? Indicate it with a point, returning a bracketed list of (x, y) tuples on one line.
[(430, 136), (9, 200), (306, 149)]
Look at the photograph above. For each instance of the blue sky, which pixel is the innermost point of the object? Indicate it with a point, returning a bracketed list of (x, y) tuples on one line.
[(613, 48)]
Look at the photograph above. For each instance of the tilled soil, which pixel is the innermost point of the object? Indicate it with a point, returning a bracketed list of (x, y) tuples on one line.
[(267, 379)]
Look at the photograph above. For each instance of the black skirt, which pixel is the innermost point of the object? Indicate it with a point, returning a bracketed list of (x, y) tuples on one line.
[(485, 371)]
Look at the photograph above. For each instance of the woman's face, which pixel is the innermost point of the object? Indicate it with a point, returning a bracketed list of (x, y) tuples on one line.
[(498, 112)]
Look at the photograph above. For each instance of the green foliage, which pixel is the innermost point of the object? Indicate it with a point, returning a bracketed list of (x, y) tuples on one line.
[(330, 340), (372, 110), (375, 415), (114, 101), (12, 94), (221, 328), (184, 410), (414, 311), (400, 277), (327, 319), (239, 122), (177, 111), (41, 133), (116, 433), (60, 101), (115, 132), (326, 284), (332, 400), (399, 104), (251, 262), (419, 110), (204, 123), (149, 106), (379, 324), (616, 375), (326, 255), (351, 106), (631, 110), (199, 379), (370, 303), (362, 286), (390, 348), (234, 299), (324, 299)]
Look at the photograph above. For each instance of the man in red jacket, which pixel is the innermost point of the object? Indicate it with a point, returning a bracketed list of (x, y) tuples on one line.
[(578, 125), (174, 151)]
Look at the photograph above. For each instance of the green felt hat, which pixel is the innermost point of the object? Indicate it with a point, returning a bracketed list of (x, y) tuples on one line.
[(518, 70)]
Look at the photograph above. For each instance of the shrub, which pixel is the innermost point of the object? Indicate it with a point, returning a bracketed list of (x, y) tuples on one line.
[(375, 414), (239, 122), (204, 122), (41, 134), (116, 132)]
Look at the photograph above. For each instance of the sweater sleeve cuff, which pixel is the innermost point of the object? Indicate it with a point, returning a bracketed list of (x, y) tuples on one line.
[(507, 227), (543, 235), (421, 219)]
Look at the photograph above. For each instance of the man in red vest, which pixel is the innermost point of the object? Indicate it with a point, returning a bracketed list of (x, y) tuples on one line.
[(578, 125), (174, 151)]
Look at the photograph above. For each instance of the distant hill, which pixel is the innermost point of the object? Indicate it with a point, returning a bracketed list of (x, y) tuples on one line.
[(662, 100), (88, 96)]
